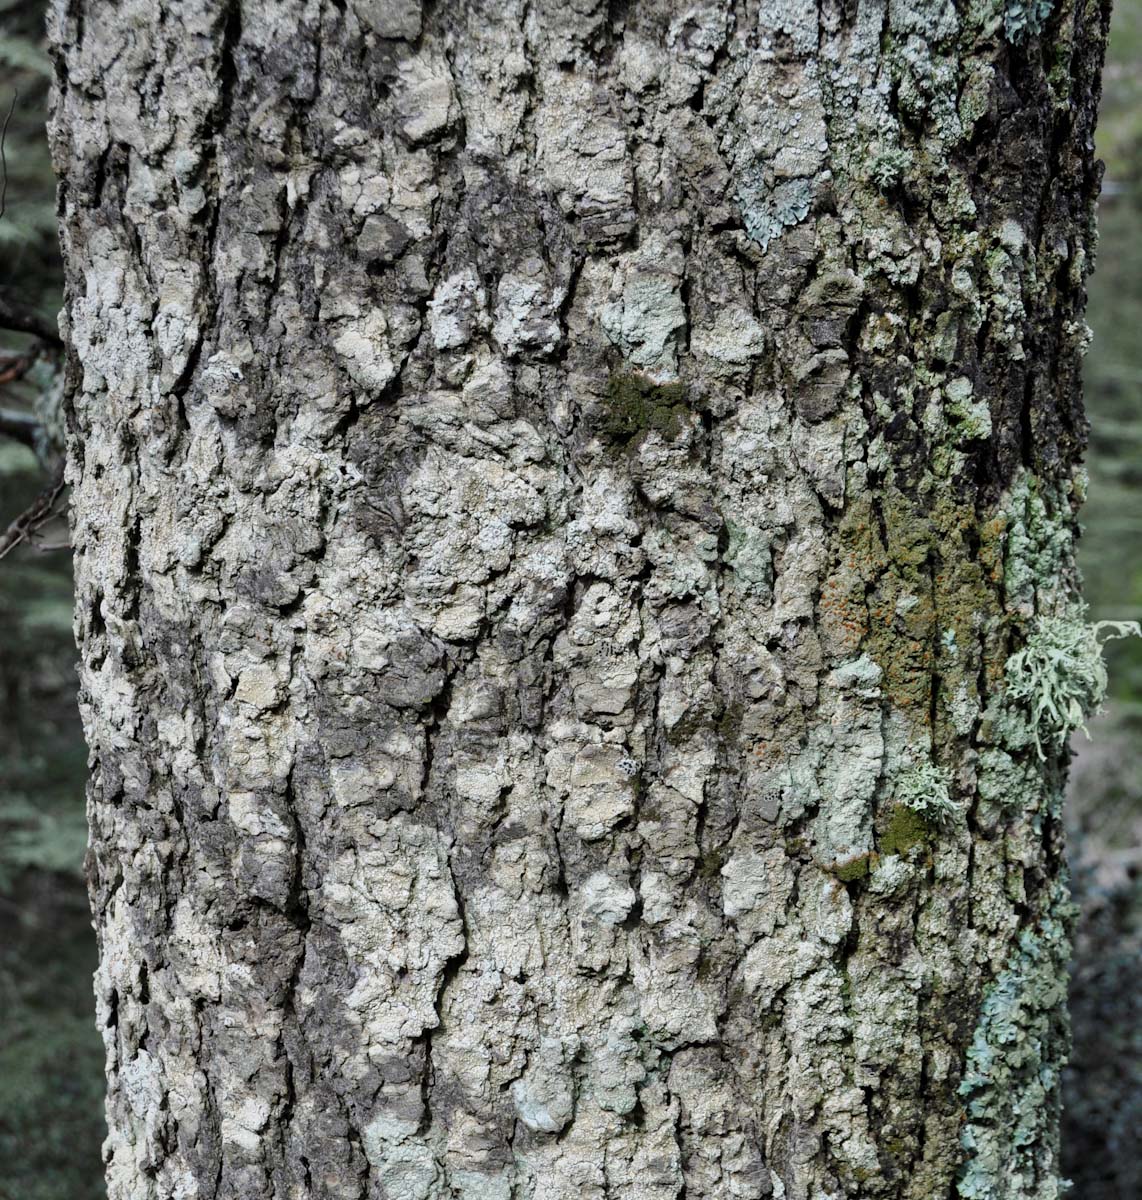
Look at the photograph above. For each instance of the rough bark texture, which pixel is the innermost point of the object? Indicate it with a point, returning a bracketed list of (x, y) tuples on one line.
[(558, 489)]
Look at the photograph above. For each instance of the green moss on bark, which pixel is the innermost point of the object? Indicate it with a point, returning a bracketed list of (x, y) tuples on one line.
[(635, 405), (855, 869), (906, 830)]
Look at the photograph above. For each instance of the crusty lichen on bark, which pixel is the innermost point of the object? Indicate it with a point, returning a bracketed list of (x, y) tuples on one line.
[(556, 489)]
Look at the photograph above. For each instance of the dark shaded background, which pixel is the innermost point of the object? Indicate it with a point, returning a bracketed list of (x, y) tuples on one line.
[(51, 1118)]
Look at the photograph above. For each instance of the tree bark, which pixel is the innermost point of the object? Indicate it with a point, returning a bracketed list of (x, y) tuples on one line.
[(558, 488)]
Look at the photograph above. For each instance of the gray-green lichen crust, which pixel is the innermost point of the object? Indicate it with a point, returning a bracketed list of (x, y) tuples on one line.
[(1014, 1065), (570, 499)]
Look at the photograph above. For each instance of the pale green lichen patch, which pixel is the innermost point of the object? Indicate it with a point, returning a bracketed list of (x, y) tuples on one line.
[(970, 417), (1059, 678), (749, 556), (780, 164), (646, 314), (976, 95), (1038, 551), (1025, 18), (1011, 1077), (889, 167), (1010, 784), (767, 211), (924, 789)]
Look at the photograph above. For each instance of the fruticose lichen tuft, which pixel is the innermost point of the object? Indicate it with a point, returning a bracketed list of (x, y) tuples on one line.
[(924, 789), (889, 167), (1059, 677), (1011, 1076)]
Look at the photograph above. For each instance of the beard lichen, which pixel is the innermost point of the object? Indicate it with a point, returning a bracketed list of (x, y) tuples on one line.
[(924, 788), (1058, 678)]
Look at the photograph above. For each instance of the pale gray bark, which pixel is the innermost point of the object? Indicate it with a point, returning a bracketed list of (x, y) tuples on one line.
[(556, 488)]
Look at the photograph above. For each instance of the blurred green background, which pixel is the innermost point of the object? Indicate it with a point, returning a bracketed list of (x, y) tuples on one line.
[(51, 1058), (51, 1121), (1103, 1088)]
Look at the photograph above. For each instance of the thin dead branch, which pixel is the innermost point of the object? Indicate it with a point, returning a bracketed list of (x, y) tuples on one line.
[(3, 154), (22, 427), (42, 510), (22, 319), (16, 366)]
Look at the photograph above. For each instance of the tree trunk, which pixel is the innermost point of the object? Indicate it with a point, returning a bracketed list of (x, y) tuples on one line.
[(560, 492)]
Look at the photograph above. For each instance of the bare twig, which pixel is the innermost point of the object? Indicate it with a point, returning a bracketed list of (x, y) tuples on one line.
[(23, 427), (21, 319), (3, 156), (16, 366), (34, 517)]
